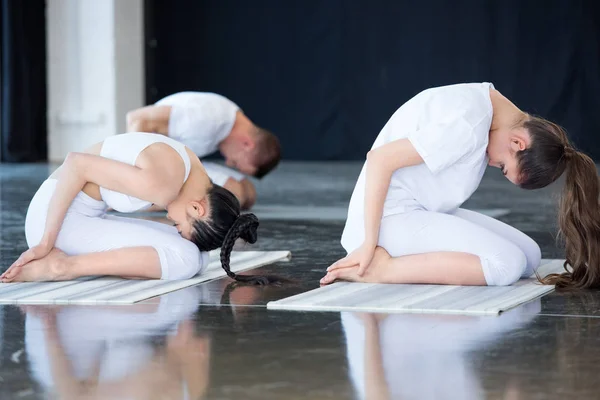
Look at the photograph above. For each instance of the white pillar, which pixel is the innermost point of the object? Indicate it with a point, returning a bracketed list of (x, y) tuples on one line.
[(95, 70)]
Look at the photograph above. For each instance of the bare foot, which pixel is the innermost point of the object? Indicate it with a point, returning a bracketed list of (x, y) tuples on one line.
[(49, 268)]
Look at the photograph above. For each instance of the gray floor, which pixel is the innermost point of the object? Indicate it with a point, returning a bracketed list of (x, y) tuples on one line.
[(218, 341)]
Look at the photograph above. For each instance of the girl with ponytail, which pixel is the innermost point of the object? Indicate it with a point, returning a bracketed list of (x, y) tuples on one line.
[(548, 157), (405, 224)]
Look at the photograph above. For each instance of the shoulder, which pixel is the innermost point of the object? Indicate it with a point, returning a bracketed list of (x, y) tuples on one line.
[(469, 102), (165, 162)]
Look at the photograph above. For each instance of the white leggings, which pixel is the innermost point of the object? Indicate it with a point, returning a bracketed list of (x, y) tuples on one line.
[(506, 253), (87, 229)]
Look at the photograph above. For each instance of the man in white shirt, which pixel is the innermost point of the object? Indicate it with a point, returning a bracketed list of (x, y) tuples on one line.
[(206, 123)]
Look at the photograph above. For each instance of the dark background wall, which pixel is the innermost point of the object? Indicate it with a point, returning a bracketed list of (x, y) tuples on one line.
[(325, 75), (23, 133)]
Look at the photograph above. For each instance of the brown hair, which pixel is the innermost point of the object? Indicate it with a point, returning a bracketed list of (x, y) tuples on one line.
[(267, 154), (549, 155)]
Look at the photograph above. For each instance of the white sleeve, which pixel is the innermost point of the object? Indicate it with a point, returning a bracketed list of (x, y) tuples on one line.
[(444, 142)]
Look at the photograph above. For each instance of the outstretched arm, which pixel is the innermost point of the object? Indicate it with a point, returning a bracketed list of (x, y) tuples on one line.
[(381, 164), (152, 119)]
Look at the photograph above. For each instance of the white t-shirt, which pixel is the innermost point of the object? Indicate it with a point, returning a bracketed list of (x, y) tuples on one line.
[(200, 120), (449, 127)]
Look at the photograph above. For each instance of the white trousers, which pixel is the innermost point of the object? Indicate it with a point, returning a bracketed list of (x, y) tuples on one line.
[(87, 229), (506, 253)]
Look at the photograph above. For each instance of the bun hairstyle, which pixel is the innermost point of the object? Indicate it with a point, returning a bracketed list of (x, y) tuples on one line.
[(223, 228)]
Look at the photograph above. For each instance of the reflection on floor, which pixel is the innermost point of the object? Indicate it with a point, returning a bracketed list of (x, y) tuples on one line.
[(304, 213), (217, 340)]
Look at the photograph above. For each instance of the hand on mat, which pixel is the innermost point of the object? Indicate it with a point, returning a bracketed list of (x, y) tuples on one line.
[(360, 258), (374, 274), (34, 253)]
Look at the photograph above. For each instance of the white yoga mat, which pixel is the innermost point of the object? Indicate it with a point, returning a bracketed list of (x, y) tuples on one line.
[(114, 291), (438, 299), (307, 213)]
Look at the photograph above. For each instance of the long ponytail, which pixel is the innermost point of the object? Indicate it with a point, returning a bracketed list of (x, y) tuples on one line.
[(549, 156), (579, 224)]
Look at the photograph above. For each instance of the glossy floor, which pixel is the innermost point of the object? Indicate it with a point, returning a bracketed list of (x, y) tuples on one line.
[(218, 341)]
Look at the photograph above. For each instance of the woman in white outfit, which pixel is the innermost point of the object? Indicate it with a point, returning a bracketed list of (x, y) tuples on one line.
[(70, 236), (404, 222)]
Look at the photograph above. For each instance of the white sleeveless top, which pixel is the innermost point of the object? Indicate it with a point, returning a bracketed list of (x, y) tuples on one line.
[(126, 148)]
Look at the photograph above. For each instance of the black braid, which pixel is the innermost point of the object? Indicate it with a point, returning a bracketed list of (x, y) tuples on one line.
[(244, 227)]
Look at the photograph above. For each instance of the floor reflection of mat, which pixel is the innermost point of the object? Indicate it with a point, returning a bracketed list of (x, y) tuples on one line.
[(438, 299), (105, 290), (296, 213)]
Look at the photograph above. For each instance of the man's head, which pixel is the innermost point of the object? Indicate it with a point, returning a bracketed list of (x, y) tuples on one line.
[(253, 151)]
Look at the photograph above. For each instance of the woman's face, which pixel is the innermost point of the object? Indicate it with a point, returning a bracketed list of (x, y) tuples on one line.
[(502, 151), (184, 213)]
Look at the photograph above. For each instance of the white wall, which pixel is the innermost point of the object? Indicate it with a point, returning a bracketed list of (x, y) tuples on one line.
[(95, 70)]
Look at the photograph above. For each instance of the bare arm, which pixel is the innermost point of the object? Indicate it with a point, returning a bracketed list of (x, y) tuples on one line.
[(244, 191), (381, 164), (153, 119), (157, 185)]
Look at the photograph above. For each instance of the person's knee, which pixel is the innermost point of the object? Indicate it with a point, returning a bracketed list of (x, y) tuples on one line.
[(534, 254), (506, 268), (182, 261)]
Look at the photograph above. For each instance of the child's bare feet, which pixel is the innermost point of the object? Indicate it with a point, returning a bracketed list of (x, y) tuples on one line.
[(49, 268)]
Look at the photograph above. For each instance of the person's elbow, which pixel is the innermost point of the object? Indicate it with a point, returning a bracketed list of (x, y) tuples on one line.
[(76, 164), (374, 157), (136, 122), (379, 161)]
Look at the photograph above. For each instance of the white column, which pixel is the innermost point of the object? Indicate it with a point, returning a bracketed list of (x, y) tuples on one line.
[(95, 70)]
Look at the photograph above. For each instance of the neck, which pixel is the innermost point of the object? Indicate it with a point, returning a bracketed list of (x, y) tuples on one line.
[(242, 128), (196, 186), (505, 113)]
